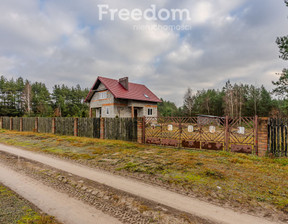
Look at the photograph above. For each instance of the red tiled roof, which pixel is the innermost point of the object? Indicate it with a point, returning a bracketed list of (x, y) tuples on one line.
[(134, 92)]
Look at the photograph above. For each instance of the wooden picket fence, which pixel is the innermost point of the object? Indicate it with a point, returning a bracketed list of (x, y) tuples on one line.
[(277, 136), (112, 128), (178, 132), (121, 128), (204, 132)]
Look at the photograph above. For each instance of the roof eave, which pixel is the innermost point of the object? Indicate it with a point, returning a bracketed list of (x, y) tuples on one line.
[(88, 98)]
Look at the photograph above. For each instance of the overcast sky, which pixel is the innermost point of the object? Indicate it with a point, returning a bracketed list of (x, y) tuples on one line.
[(66, 42)]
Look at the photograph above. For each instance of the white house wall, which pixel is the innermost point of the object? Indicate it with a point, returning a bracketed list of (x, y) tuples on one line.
[(103, 104)]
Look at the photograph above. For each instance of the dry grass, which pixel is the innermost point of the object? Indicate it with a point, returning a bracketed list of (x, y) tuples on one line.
[(16, 210), (238, 179)]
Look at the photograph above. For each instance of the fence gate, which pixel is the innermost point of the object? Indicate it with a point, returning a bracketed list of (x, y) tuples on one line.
[(243, 135), (277, 136), (213, 133), (163, 131)]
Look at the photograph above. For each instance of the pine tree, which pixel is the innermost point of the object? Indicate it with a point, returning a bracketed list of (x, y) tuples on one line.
[(282, 84)]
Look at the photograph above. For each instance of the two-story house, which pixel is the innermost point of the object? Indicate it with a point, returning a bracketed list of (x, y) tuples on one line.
[(119, 98)]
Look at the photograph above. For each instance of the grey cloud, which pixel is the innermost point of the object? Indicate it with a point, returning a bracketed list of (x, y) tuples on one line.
[(64, 42)]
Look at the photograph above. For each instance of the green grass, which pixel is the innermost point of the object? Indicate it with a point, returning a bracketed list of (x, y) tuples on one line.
[(236, 179), (18, 211)]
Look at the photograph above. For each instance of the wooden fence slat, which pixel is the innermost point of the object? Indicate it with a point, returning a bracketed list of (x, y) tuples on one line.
[(126, 129), (6, 123), (269, 136), (16, 124), (28, 124), (274, 137), (278, 137), (282, 139), (120, 129), (285, 137), (89, 127), (45, 124), (65, 126)]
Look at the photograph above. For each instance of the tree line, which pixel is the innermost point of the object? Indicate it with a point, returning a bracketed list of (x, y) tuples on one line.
[(21, 97), (234, 100)]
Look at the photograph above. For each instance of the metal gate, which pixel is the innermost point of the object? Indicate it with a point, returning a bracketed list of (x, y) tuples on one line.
[(203, 132)]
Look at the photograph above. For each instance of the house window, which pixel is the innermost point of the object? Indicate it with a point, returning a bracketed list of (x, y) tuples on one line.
[(103, 95), (150, 111), (107, 111)]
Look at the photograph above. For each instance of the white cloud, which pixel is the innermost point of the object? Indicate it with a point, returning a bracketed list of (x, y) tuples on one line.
[(184, 54), (64, 42)]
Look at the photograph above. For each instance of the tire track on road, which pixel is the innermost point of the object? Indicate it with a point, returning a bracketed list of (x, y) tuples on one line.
[(153, 193), (64, 208)]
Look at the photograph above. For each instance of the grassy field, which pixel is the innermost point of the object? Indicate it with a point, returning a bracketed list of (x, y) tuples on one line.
[(237, 180), (16, 210)]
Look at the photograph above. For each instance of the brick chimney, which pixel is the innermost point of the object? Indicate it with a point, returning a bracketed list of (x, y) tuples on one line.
[(124, 82)]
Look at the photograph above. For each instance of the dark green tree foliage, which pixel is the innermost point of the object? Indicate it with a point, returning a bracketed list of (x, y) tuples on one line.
[(208, 102), (69, 102), (252, 99), (282, 84), (282, 43), (233, 100), (41, 102), (11, 97), (266, 103), (21, 98), (258, 101), (167, 109)]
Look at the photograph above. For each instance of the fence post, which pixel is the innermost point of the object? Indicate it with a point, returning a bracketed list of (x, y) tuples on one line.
[(11, 123), (76, 126), (256, 135), (139, 130), (36, 124), (269, 135), (226, 147), (102, 128), (53, 125), (1, 122), (143, 129), (282, 138), (21, 124), (263, 136), (180, 134)]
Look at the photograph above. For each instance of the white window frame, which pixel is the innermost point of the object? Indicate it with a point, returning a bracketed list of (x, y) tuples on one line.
[(150, 110), (103, 95)]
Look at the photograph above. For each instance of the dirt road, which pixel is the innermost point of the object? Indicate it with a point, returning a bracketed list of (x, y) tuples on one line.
[(180, 202), (64, 208)]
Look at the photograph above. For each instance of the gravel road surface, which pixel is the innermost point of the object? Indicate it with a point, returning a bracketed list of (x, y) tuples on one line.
[(177, 201), (66, 209)]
